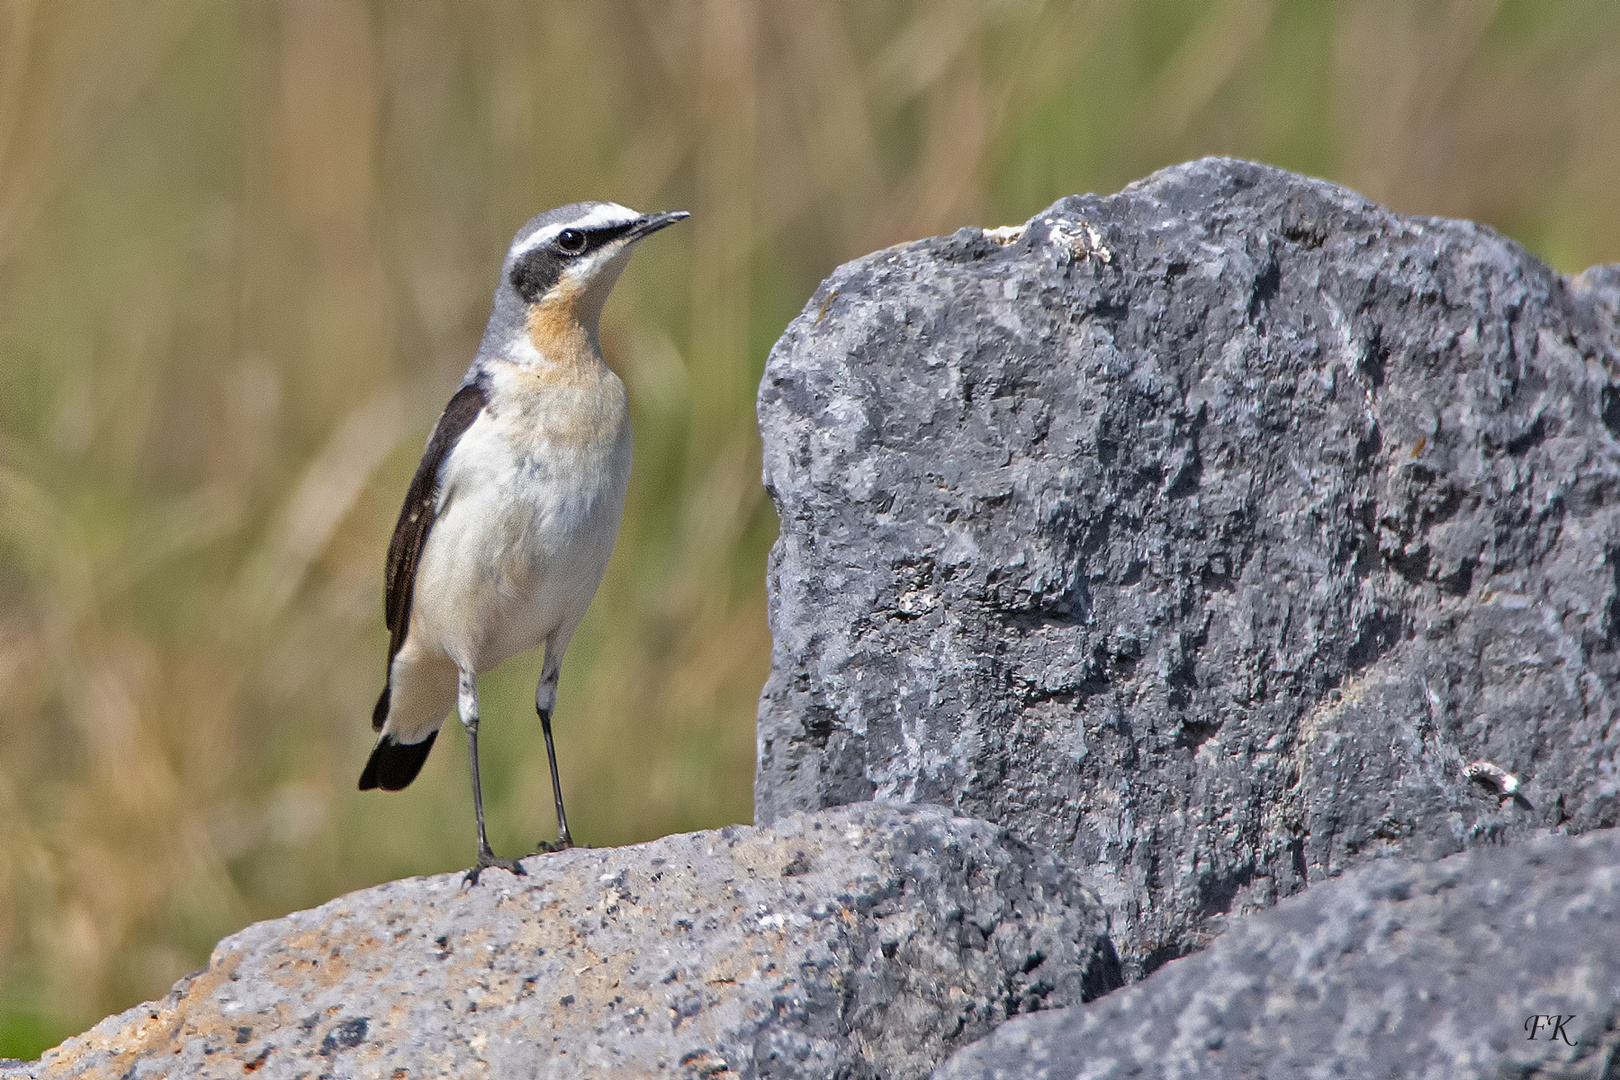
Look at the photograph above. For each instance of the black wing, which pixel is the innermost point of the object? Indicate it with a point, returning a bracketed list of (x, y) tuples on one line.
[(416, 518)]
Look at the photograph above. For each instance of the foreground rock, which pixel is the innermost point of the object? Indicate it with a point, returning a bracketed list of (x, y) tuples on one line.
[(865, 942), (1395, 970), (1206, 533)]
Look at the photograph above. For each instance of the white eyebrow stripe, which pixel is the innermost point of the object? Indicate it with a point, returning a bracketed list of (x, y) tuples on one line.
[(602, 214)]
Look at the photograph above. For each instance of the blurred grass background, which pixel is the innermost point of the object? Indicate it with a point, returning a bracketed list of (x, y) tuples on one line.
[(247, 249)]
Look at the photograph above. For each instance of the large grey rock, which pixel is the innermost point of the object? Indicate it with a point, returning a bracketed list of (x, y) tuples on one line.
[(1205, 533), (868, 941), (1394, 970)]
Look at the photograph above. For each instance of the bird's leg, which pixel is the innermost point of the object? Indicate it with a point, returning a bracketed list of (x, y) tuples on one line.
[(545, 699), (467, 702), (564, 839)]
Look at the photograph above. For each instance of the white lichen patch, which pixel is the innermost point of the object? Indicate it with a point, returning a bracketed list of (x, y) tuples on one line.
[(1082, 239), (1493, 775)]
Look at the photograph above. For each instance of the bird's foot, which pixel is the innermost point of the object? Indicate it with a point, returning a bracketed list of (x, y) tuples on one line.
[(547, 847), (487, 860)]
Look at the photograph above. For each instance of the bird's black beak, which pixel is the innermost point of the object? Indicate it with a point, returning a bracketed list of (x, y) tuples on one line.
[(651, 223)]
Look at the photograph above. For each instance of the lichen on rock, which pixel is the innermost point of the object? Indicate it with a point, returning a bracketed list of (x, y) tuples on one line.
[(864, 942)]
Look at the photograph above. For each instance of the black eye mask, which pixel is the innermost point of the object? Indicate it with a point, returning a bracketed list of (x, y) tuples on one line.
[(539, 269)]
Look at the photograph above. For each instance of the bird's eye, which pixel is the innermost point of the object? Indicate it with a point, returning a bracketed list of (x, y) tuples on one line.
[(571, 241)]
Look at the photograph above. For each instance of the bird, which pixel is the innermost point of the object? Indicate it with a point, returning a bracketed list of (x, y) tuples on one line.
[(513, 511)]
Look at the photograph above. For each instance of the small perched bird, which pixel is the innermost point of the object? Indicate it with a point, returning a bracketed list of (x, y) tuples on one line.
[(512, 513)]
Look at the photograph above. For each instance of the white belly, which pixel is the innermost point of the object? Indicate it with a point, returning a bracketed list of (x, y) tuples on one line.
[(528, 511)]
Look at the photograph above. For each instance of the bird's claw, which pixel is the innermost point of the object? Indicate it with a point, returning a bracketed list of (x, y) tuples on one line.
[(547, 847), (486, 860)]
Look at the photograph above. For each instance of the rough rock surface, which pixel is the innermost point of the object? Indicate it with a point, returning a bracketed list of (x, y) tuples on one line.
[(1205, 533), (1394, 970), (868, 941)]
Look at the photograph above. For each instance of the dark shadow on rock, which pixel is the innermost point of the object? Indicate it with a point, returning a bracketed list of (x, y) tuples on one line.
[(1497, 962)]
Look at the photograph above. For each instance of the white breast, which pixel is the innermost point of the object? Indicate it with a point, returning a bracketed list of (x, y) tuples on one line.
[(529, 506)]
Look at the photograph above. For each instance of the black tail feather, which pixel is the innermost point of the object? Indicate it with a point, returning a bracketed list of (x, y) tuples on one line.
[(393, 765)]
